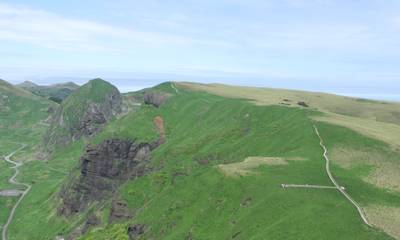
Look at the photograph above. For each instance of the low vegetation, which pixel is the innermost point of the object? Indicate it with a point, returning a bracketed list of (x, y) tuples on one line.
[(189, 192)]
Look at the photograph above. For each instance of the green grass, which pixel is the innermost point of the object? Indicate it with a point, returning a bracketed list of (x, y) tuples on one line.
[(6, 204), (46, 178), (363, 192), (20, 113), (187, 196), (203, 203)]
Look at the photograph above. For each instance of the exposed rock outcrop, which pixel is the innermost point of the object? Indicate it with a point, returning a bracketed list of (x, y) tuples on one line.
[(119, 211), (103, 169), (135, 231), (303, 104), (155, 98), (91, 222)]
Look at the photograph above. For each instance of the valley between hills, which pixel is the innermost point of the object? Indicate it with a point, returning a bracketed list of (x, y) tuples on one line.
[(195, 161)]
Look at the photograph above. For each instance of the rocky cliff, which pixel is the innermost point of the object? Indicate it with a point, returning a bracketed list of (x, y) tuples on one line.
[(155, 98), (103, 169)]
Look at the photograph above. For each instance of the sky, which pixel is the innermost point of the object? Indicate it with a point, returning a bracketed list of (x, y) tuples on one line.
[(339, 46)]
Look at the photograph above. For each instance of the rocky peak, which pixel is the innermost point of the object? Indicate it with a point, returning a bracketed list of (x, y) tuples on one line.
[(84, 113)]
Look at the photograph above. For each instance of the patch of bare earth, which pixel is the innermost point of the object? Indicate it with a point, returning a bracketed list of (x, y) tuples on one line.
[(386, 169), (385, 218), (251, 163), (159, 123)]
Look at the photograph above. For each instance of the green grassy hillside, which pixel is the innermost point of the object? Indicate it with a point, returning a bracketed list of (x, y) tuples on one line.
[(190, 198), (23, 115), (189, 195), (22, 120)]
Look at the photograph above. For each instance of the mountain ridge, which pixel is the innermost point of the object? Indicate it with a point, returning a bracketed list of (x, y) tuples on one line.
[(55, 92)]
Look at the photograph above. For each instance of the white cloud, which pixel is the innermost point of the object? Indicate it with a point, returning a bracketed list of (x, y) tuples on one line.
[(43, 28), (19, 23)]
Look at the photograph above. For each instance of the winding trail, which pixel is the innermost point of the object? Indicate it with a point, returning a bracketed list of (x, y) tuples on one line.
[(13, 180), (328, 171)]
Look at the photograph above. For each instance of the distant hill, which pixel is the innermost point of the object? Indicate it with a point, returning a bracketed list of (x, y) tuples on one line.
[(56, 92), (14, 99)]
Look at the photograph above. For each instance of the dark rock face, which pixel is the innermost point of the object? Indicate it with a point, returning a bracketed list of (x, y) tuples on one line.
[(91, 221), (135, 230), (97, 115), (91, 122), (119, 211), (103, 168), (303, 104), (155, 98)]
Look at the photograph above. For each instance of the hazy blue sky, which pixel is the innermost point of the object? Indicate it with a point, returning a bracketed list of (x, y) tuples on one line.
[(342, 46)]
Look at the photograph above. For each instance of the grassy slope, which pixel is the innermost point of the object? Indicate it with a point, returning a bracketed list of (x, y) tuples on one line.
[(375, 119), (46, 177), (356, 107), (37, 213), (21, 113), (202, 203)]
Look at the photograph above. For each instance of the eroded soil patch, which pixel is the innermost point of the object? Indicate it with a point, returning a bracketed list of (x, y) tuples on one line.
[(251, 163)]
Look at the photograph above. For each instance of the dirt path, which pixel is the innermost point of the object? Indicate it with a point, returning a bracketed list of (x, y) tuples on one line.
[(328, 171), (307, 186), (13, 180), (174, 87)]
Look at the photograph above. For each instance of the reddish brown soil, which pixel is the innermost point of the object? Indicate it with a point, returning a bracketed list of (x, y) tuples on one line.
[(159, 123)]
